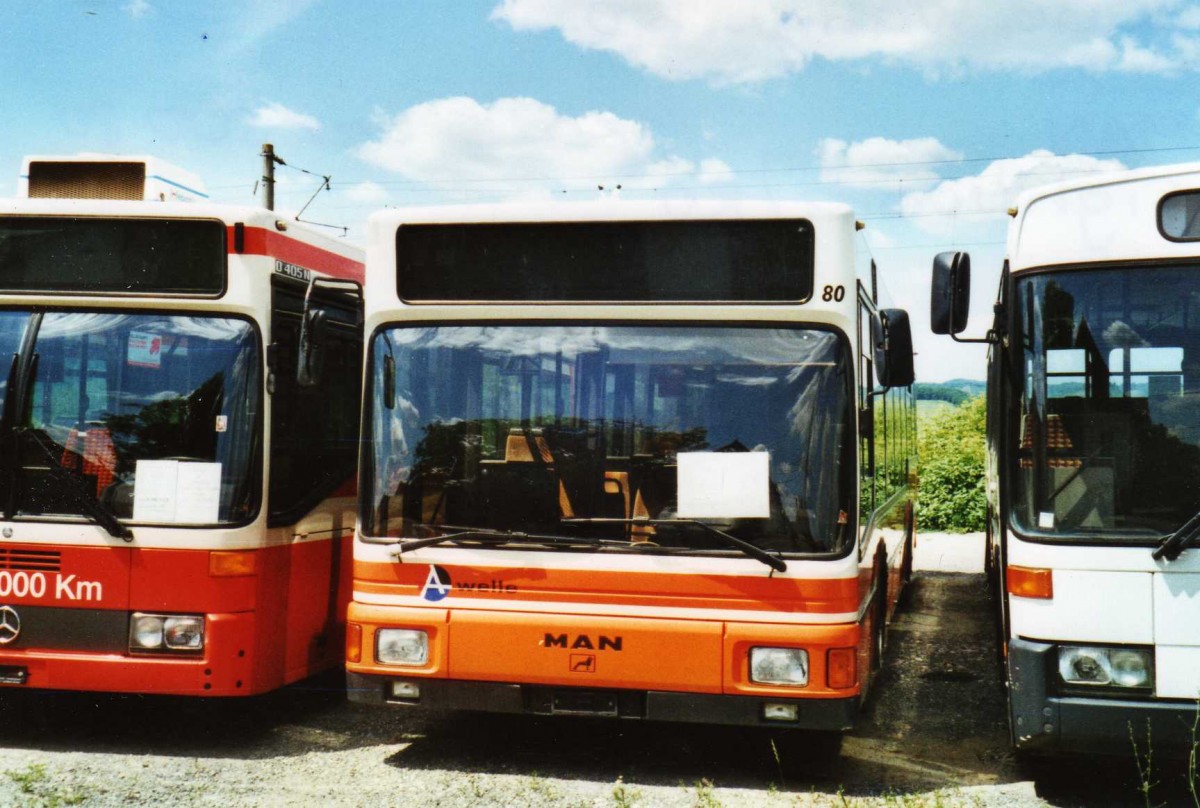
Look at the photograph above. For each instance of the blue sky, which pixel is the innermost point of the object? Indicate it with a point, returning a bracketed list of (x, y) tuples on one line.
[(927, 117)]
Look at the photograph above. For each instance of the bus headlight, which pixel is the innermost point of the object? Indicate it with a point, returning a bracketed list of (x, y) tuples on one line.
[(146, 632), (183, 633), (779, 666), (401, 646), (1099, 666), (166, 632)]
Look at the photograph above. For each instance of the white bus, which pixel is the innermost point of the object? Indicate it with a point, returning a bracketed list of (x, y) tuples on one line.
[(179, 403), (649, 461), (1094, 459)]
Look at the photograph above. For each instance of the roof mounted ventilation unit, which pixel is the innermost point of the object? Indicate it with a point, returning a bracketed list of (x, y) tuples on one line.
[(108, 176)]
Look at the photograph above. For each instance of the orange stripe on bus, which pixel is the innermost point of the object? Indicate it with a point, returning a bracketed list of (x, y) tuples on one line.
[(820, 595)]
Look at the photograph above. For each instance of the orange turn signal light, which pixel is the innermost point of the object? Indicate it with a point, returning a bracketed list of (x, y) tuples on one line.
[(353, 642), (1026, 582), (842, 667), (230, 563)]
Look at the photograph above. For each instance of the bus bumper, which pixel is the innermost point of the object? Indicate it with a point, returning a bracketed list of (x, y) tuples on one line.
[(1044, 722), (223, 669), (649, 705)]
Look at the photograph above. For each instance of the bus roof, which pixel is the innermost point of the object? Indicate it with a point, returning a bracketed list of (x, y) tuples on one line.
[(830, 225), (607, 210), (297, 250), (249, 215), (1112, 217)]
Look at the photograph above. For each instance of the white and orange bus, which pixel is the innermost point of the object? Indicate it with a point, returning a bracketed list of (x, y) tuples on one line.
[(630, 460), (179, 404)]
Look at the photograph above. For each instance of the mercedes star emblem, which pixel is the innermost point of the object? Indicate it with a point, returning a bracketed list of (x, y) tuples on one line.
[(10, 624)]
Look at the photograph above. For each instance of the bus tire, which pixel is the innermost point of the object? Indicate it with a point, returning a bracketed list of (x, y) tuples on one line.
[(989, 561), (879, 619), (906, 565)]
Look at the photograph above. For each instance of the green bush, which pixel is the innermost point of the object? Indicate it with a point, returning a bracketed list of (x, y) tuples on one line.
[(952, 448)]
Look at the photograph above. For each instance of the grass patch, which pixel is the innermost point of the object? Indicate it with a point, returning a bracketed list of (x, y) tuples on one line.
[(40, 790), (624, 796)]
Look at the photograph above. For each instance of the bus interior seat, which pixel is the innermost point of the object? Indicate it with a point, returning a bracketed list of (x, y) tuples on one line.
[(580, 469), (527, 446), (617, 501), (1107, 436), (90, 451)]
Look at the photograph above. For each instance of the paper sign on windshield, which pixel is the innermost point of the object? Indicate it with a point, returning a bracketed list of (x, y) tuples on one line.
[(154, 491), (144, 350), (724, 485), (176, 492)]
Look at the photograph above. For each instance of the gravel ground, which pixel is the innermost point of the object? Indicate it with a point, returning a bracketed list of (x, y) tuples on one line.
[(933, 734)]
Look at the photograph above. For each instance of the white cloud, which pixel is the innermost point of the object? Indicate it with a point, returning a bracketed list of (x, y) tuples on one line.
[(754, 40), (459, 138), (987, 195), (277, 116), (881, 162), (520, 145), (138, 8), (368, 193), (1136, 59), (671, 167), (714, 170)]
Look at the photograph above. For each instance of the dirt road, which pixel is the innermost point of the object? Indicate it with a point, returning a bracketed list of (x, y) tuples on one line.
[(934, 734)]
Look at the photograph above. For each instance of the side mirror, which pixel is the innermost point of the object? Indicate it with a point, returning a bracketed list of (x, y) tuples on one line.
[(891, 336), (950, 297), (311, 355)]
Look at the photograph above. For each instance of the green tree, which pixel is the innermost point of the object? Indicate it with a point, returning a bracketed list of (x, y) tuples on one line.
[(952, 448), (939, 392)]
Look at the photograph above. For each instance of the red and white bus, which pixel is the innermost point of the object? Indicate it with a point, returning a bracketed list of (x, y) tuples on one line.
[(179, 404), (630, 460)]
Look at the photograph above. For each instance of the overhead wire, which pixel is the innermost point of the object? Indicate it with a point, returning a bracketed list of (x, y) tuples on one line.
[(449, 187), (424, 181), (324, 186)]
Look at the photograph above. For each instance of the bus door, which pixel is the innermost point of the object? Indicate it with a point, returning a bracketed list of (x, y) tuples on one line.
[(314, 452)]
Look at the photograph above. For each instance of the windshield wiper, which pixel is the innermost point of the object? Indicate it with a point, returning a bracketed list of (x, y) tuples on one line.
[(94, 508), (1175, 543), (774, 562), (493, 536)]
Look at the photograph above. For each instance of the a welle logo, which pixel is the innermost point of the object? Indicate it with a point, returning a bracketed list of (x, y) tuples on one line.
[(438, 585)]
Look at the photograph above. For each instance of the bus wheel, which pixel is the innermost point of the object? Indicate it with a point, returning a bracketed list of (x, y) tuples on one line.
[(906, 566), (879, 627), (989, 563), (906, 570), (910, 542)]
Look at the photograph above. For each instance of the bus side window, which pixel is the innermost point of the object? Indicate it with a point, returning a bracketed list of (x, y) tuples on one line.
[(868, 419)]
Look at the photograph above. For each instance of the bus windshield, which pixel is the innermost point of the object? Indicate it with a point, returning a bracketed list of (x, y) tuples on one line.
[(582, 430), (1108, 430), (153, 416), (12, 327)]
